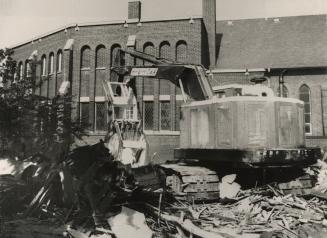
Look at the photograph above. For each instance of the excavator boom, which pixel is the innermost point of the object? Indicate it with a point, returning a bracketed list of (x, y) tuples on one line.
[(191, 78)]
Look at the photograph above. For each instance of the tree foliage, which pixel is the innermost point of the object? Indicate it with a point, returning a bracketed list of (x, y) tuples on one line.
[(28, 122)]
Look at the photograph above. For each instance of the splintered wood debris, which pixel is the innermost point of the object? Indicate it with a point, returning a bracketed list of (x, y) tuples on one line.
[(265, 211)]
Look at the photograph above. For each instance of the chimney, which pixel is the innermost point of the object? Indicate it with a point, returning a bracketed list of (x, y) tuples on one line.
[(209, 20), (134, 10)]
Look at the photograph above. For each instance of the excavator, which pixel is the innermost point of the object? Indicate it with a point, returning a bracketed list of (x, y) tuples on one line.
[(223, 130)]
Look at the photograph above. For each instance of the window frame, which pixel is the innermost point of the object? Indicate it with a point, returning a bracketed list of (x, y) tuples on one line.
[(98, 50), (59, 62), (43, 65), (85, 100), (21, 70), (147, 99), (95, 114), (165, 99), (83, 49), (51, 63), (310, 107)]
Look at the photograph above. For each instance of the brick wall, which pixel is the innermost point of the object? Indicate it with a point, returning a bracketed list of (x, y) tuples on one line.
[(176, 39), (314, 81)]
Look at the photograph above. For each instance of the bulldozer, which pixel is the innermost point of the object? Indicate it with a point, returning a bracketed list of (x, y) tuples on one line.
[(223, 130)]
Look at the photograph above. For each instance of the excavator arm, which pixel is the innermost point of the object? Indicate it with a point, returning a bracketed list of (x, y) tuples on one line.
[(121, 92), (190, 78)]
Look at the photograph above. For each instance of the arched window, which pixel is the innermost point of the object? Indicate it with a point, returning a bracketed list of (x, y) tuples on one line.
[(43, 66), (100, 60), (164, 50), (59, 61), (304, 95), (181, 51), (20, 70), (114, 60), (59, 69), (285, 92), (85, 86), (51, 63), (85, 57), (164, 86), (43, 82), (85, 71), (148, 106), (148, 48), (100, 71), (113, 53), (100, 121), (28, 69)]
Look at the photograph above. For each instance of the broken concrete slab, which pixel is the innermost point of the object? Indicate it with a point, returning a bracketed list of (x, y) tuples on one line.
[(130, 223)]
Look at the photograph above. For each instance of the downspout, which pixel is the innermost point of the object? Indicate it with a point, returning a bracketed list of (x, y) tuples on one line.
[(281, 82), (322, 111)]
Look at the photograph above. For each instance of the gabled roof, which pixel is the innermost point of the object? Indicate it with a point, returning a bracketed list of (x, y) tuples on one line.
[(285, 42)]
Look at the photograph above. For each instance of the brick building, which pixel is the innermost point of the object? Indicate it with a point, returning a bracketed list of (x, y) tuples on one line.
[(290, 50), (233, 50), (83, 54)]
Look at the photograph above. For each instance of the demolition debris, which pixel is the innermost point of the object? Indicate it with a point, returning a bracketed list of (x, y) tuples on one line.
[(265, 211)]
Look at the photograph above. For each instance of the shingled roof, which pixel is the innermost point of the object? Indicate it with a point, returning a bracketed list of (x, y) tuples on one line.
[(285, 42)]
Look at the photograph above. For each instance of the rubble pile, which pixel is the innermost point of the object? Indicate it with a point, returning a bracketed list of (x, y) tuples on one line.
[(32, 228), (265, 211), (256, 212)]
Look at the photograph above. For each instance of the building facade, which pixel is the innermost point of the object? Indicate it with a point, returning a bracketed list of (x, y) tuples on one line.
[(283, 50), (290, 52), (83, 54)]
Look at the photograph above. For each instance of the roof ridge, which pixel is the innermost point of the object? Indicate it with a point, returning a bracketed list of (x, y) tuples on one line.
[(273, 17)]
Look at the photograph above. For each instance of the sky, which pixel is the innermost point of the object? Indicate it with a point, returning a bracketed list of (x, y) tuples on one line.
[(21, 20)]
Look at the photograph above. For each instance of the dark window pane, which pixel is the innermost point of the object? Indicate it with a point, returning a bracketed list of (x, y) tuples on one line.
[(101, 116), (165, 87), (178, 114), (101, 57), (85, 114), (307, 108), (181, 51), (305, 97), (148, 116), (148, 48), (114, 57), (100, 75), (148, 86), (86, 57), (165, 51), (165, 115), (304, 89), (307, 118), (85, 83), (307, 128)]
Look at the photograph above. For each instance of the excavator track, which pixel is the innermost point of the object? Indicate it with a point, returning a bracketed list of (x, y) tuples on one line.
[(192, 183)]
